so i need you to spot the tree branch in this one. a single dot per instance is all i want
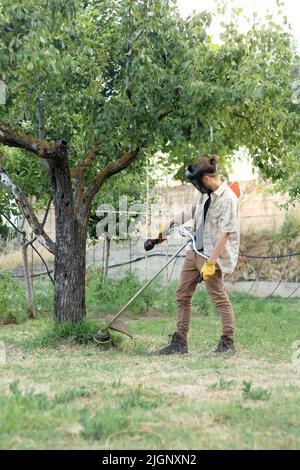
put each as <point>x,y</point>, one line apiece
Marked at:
<point>108,171</point>
<point>26,243</point>
<point>79,173</point>
<point>42,148</point>
<point>25,207</point>
<point>47,211</point>
<point>246,118</point>
<point>22,232</point>
<point>165,114</point>
<point>44,262</point>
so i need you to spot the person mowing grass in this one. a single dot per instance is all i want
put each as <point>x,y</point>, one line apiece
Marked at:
<point>215,211</point>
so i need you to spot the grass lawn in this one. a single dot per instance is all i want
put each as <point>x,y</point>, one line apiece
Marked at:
<point>64,395</point>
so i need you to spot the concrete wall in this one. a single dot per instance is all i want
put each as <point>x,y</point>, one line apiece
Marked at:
<point>259,208</point>
<point>259,211</point>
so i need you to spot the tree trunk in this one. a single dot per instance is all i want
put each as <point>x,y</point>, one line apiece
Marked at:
<point>70,247</point>
<point>69,277</point>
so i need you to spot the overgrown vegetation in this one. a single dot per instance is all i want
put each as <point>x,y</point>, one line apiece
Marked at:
<point>13,306</point>
<point>82,397</point>
<point>271,243</point>
<point>107,295</point>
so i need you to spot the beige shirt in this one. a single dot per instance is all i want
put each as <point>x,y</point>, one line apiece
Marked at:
<point>222,216</point>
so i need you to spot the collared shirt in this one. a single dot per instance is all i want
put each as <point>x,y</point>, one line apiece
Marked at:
<point>222,216</point>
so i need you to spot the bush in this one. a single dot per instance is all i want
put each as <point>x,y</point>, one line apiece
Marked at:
<point>107,295</point>
<point>202,303</point>
<point>289,230</point>
<point>53,333</point>
<point>13,302</point>
<point>43,295</point>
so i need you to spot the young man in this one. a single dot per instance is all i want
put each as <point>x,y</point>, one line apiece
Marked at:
<point>215,211</point>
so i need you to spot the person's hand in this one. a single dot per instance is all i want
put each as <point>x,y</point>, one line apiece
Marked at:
<point>208,270</point>
<point>162,230</point>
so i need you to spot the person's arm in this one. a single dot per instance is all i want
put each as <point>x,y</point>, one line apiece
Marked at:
<point>180,219</point>
<point>229,223</point>
<point>219,246</point>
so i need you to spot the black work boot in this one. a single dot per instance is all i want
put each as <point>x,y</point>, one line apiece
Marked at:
<point>225,346</point>
<point>177,345</point>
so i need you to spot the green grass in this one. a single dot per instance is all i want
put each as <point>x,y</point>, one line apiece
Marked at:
<point>56,393</point>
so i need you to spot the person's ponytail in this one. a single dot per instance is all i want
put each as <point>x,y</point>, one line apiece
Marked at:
<point>214,159</point>
<point>208,166</point>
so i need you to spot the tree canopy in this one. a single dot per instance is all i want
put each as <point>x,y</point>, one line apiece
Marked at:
<point>117,74</point>
<point>94,86</point>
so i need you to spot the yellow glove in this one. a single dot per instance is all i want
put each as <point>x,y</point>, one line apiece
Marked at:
<point>162,229</point>
<point>208,270</point>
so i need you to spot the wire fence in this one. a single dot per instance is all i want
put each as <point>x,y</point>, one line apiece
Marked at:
<point>170,275</point>
<point>287,257</point>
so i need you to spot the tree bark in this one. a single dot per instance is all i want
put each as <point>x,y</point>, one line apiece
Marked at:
<point>70,247</point>
<point>70,270</point>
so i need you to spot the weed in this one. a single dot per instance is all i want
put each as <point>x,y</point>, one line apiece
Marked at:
<point>27,399</point>
<point>116,383</point>
<point>71,394</point>
<point>54,333</point>
<point>137,398</point>
<point>258,393</point>
<point>222,384</point>
<point>104,423</point>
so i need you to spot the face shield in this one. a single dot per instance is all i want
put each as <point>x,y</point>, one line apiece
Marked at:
<point>194,175</point>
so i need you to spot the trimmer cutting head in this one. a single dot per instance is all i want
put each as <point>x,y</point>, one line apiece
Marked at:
<point>103,337</point>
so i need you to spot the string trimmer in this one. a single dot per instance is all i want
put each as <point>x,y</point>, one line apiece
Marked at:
<point>115,323</point>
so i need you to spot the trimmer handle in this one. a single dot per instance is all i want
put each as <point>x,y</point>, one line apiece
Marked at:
<point>150,243</point>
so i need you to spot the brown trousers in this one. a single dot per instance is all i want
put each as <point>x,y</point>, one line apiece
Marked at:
<point>215,287</point>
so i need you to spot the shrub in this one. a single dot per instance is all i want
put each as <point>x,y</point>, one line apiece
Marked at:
<point>13,303</point>
<point>108,295</point>
<point>52,333</point>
